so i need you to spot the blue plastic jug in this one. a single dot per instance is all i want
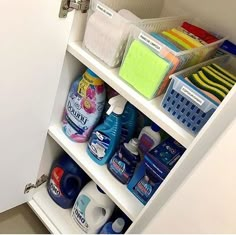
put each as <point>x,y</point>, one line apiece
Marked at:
<point>65,182</point>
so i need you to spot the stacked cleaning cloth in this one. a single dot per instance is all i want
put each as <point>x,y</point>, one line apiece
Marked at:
<point>148,70</point>
<point>213,80</point>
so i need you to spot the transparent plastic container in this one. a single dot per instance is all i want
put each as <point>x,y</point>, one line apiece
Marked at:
<point>188,104</point>
<point>148,59</point>
<point>108,27</point>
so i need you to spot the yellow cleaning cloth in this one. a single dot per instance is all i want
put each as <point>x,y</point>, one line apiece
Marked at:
<point>170,35</point>
<point>192,41</point>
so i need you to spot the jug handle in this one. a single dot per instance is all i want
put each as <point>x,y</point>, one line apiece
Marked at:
<point>64,181</point>
<point>101,219</point>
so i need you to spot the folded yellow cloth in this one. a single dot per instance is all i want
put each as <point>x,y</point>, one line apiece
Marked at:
<point>177,39</point>
<point>192,41</point>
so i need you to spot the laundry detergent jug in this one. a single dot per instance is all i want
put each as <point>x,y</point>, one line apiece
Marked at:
<point>92,208</point>
<point>65,181</point>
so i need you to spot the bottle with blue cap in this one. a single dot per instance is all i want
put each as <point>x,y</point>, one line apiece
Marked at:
<point>149,138</point>
<point>84,106</point>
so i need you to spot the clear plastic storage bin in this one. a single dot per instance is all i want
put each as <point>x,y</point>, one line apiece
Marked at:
<point>109,24</point>
<point>186,103</point>
<point>148,63</point>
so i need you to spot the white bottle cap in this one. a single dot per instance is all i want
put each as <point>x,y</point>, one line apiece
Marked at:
<point>132,146</point>
<point>118,225</point>
<point>117,105</point>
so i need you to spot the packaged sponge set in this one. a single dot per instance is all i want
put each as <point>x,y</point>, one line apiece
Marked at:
<point>158,48</point>
<point>195,93</point>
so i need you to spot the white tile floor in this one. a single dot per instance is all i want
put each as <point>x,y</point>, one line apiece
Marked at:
<point>21,220</point>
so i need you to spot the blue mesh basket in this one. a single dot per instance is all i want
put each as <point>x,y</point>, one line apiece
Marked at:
<point>187,104</point>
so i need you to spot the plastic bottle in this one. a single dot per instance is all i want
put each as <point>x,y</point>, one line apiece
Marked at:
<point>122,165</point>
<point>113,228</point>
<point>92,208</point>
<point>149,138</point>
<point>106,137</point>
<point>84,106</point>
<point>129,121</point>
<point>65,182</point>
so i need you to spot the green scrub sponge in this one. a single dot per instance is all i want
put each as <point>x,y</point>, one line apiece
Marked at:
<point>143,69</point>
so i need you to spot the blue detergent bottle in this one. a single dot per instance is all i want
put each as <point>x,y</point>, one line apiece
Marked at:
<point>65,182</point>
<point>106,137</point>
<point>129,121</point>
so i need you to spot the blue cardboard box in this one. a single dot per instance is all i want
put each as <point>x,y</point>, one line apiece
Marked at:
<point>154,169</point>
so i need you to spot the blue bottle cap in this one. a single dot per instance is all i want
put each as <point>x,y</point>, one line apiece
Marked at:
<point>155,127</point>
<point>91,73</point>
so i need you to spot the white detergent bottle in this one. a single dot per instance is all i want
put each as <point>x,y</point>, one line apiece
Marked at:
<point>92,208</point>
<point>149,138</point>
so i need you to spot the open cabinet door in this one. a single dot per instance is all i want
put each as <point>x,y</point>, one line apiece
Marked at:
<point>32,50</point>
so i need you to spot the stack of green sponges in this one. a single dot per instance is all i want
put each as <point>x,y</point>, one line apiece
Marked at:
<point>143,69</point>
<point>214,79</point>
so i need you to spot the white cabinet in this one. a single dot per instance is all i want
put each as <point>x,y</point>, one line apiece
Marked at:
<point>34,86</point>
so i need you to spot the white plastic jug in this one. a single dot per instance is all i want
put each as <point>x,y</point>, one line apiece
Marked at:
<point>92,208</point>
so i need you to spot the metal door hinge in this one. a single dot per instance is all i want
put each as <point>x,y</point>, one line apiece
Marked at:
<point>69,5</point>
<point>39,181</point>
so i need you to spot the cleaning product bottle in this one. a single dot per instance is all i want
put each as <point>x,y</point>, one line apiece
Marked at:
<point>122,165</point>
<point>65,182</point>
<point>106,137</point>
<point>129,121</point>
<point>84,106</point>
<point>113,228</point>
<point>149,138</point>
<point>92,208</point>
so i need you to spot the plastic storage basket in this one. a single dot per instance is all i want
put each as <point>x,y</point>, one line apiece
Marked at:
<point>186,103</point>
<point>145,57</point>
<point>108,28</point>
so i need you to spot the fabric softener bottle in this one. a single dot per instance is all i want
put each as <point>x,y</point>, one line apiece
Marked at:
<point>65,182</point>
<point>106,137</point>
<point>84,106</point>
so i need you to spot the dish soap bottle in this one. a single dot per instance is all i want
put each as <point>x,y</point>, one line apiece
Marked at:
<point>106,137</point>
<point>92,208</point>
<point>149,138</point>
<point>122,165</point>
<point>113,228</point>
<point>84,106</point>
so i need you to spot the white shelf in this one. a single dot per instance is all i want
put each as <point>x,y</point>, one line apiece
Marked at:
<point>118,192</point>
<point>55,218</point>
<point>151,109</point>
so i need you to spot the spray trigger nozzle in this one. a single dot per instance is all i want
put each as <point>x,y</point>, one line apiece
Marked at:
<point>117,105</point>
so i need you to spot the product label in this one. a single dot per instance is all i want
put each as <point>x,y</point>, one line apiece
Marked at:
<point>104,10</point>
<point>120,168</point>
<point>99,144</point>
<point>192,96</point>
<point>143,189</point>
<point>54,183</point>
<point>148,41</point>
<point>145,143</point>
<point>78,212</point>
<point>84,107</point>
